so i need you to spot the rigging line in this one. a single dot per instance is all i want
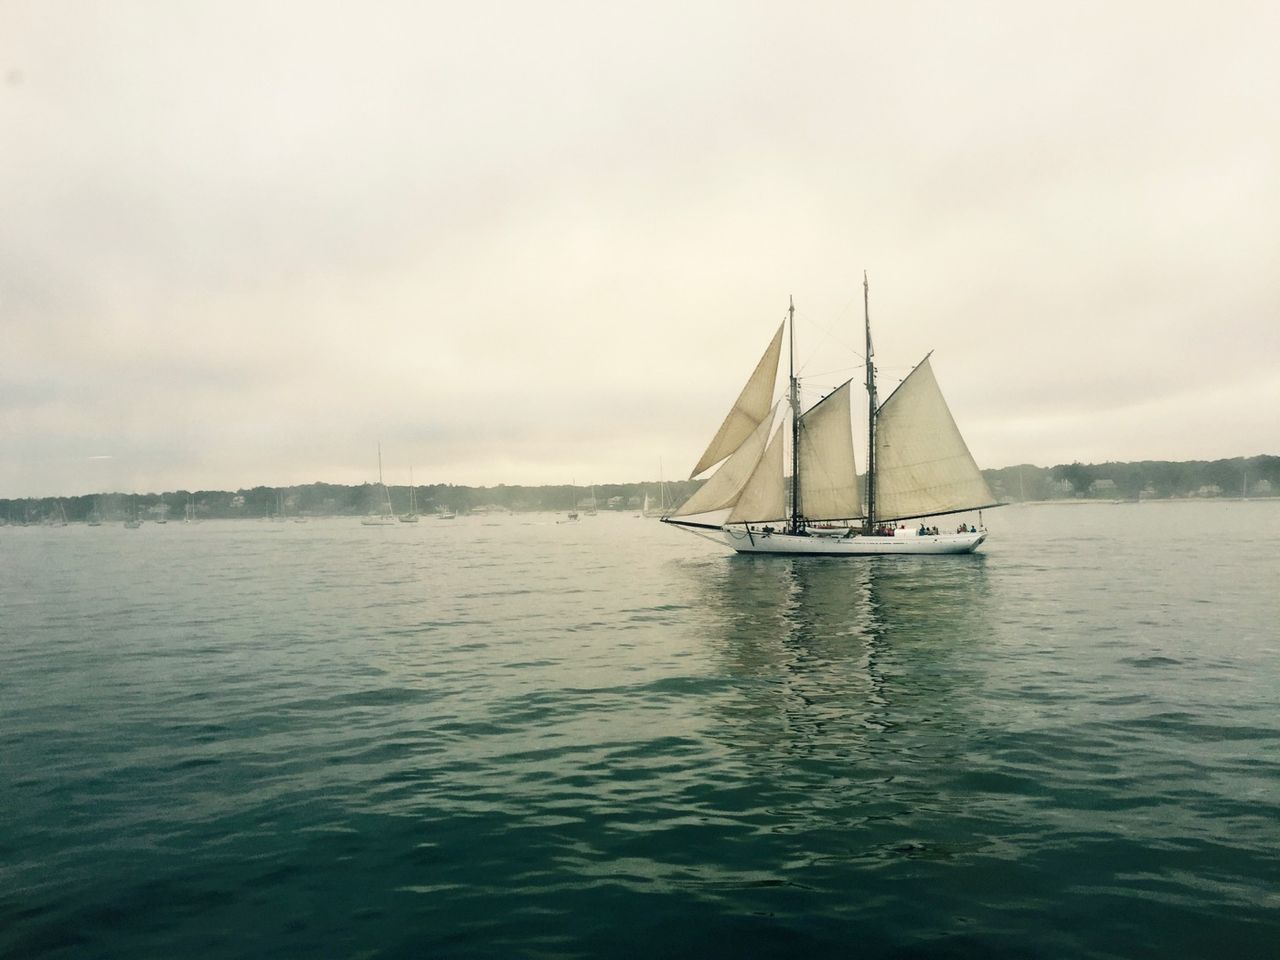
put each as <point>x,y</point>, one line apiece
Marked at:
<point>827,335</point>
<point>817,352</point>
<point>841,316</point>
<point>837,372</point>
<point>801,374</point>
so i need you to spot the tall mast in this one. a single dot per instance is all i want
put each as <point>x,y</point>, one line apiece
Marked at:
<point>870,521</point>
<point>795,424</point>
<point>386,494</point>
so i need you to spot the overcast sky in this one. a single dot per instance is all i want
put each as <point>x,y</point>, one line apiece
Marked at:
<point>540,242</point>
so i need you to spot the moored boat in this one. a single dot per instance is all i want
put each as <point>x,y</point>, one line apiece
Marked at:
<point>386,517</point>
<point>412,515</point>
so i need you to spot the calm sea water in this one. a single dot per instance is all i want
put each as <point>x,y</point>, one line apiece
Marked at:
<point>512,738</point>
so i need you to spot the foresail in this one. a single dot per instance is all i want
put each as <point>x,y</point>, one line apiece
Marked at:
<point>829,488</point>
<point>724,486</point>
<point>752,406</point>
<point>923,466</point>
<point>765,495</point>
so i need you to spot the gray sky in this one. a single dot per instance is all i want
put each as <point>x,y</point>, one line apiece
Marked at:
<point>536,242</point>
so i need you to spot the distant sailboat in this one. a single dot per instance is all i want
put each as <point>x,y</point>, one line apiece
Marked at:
<point>572,515</point>
<point>386,516</point>
<point>412,515</point>
<point>918,467</point>
<point>591,508</point>
<point>298,517</point>
<point>649,510</point>
<point>278,516</point>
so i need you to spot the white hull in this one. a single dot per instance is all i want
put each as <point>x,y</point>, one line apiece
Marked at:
<point>856,545</point>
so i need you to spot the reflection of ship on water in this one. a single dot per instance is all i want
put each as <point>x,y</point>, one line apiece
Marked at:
<point>832,658</point>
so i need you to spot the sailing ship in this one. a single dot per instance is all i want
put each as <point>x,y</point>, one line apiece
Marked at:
<point>386,516</point>
<point>918,467</point>
<point>412,515</point>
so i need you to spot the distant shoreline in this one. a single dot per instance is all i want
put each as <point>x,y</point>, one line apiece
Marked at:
<point>1100,502</point>
<point>1237,480</point>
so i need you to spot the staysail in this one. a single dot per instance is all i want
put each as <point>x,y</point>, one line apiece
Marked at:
<point>923,466</point>
<point>724,486</point>
<point>751,407</point>
<point>765,495</point>
<point>829,488</point>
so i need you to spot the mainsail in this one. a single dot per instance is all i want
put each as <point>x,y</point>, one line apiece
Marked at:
<point>726,484</point>
<point>923,466</point>
<point>829,488</point>
<point>752,406</point>
<point>765,495</point>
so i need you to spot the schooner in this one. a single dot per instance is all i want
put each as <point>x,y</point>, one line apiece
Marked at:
<point>918,466</point>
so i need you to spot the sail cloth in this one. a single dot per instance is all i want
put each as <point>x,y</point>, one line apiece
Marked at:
<point>922,464</point>
<point>724,486</point>
<point>765,495</point>
<point>829,488</point>
<point>752,406</point>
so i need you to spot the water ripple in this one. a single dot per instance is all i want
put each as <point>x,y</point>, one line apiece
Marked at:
<point>522,739</point>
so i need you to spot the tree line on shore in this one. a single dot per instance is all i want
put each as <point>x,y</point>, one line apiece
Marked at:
<point>1138,480</point>
<point>333,499</point>
<point>1147,479</point>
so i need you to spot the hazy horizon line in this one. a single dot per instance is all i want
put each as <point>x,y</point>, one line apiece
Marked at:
<point>583,486</point>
